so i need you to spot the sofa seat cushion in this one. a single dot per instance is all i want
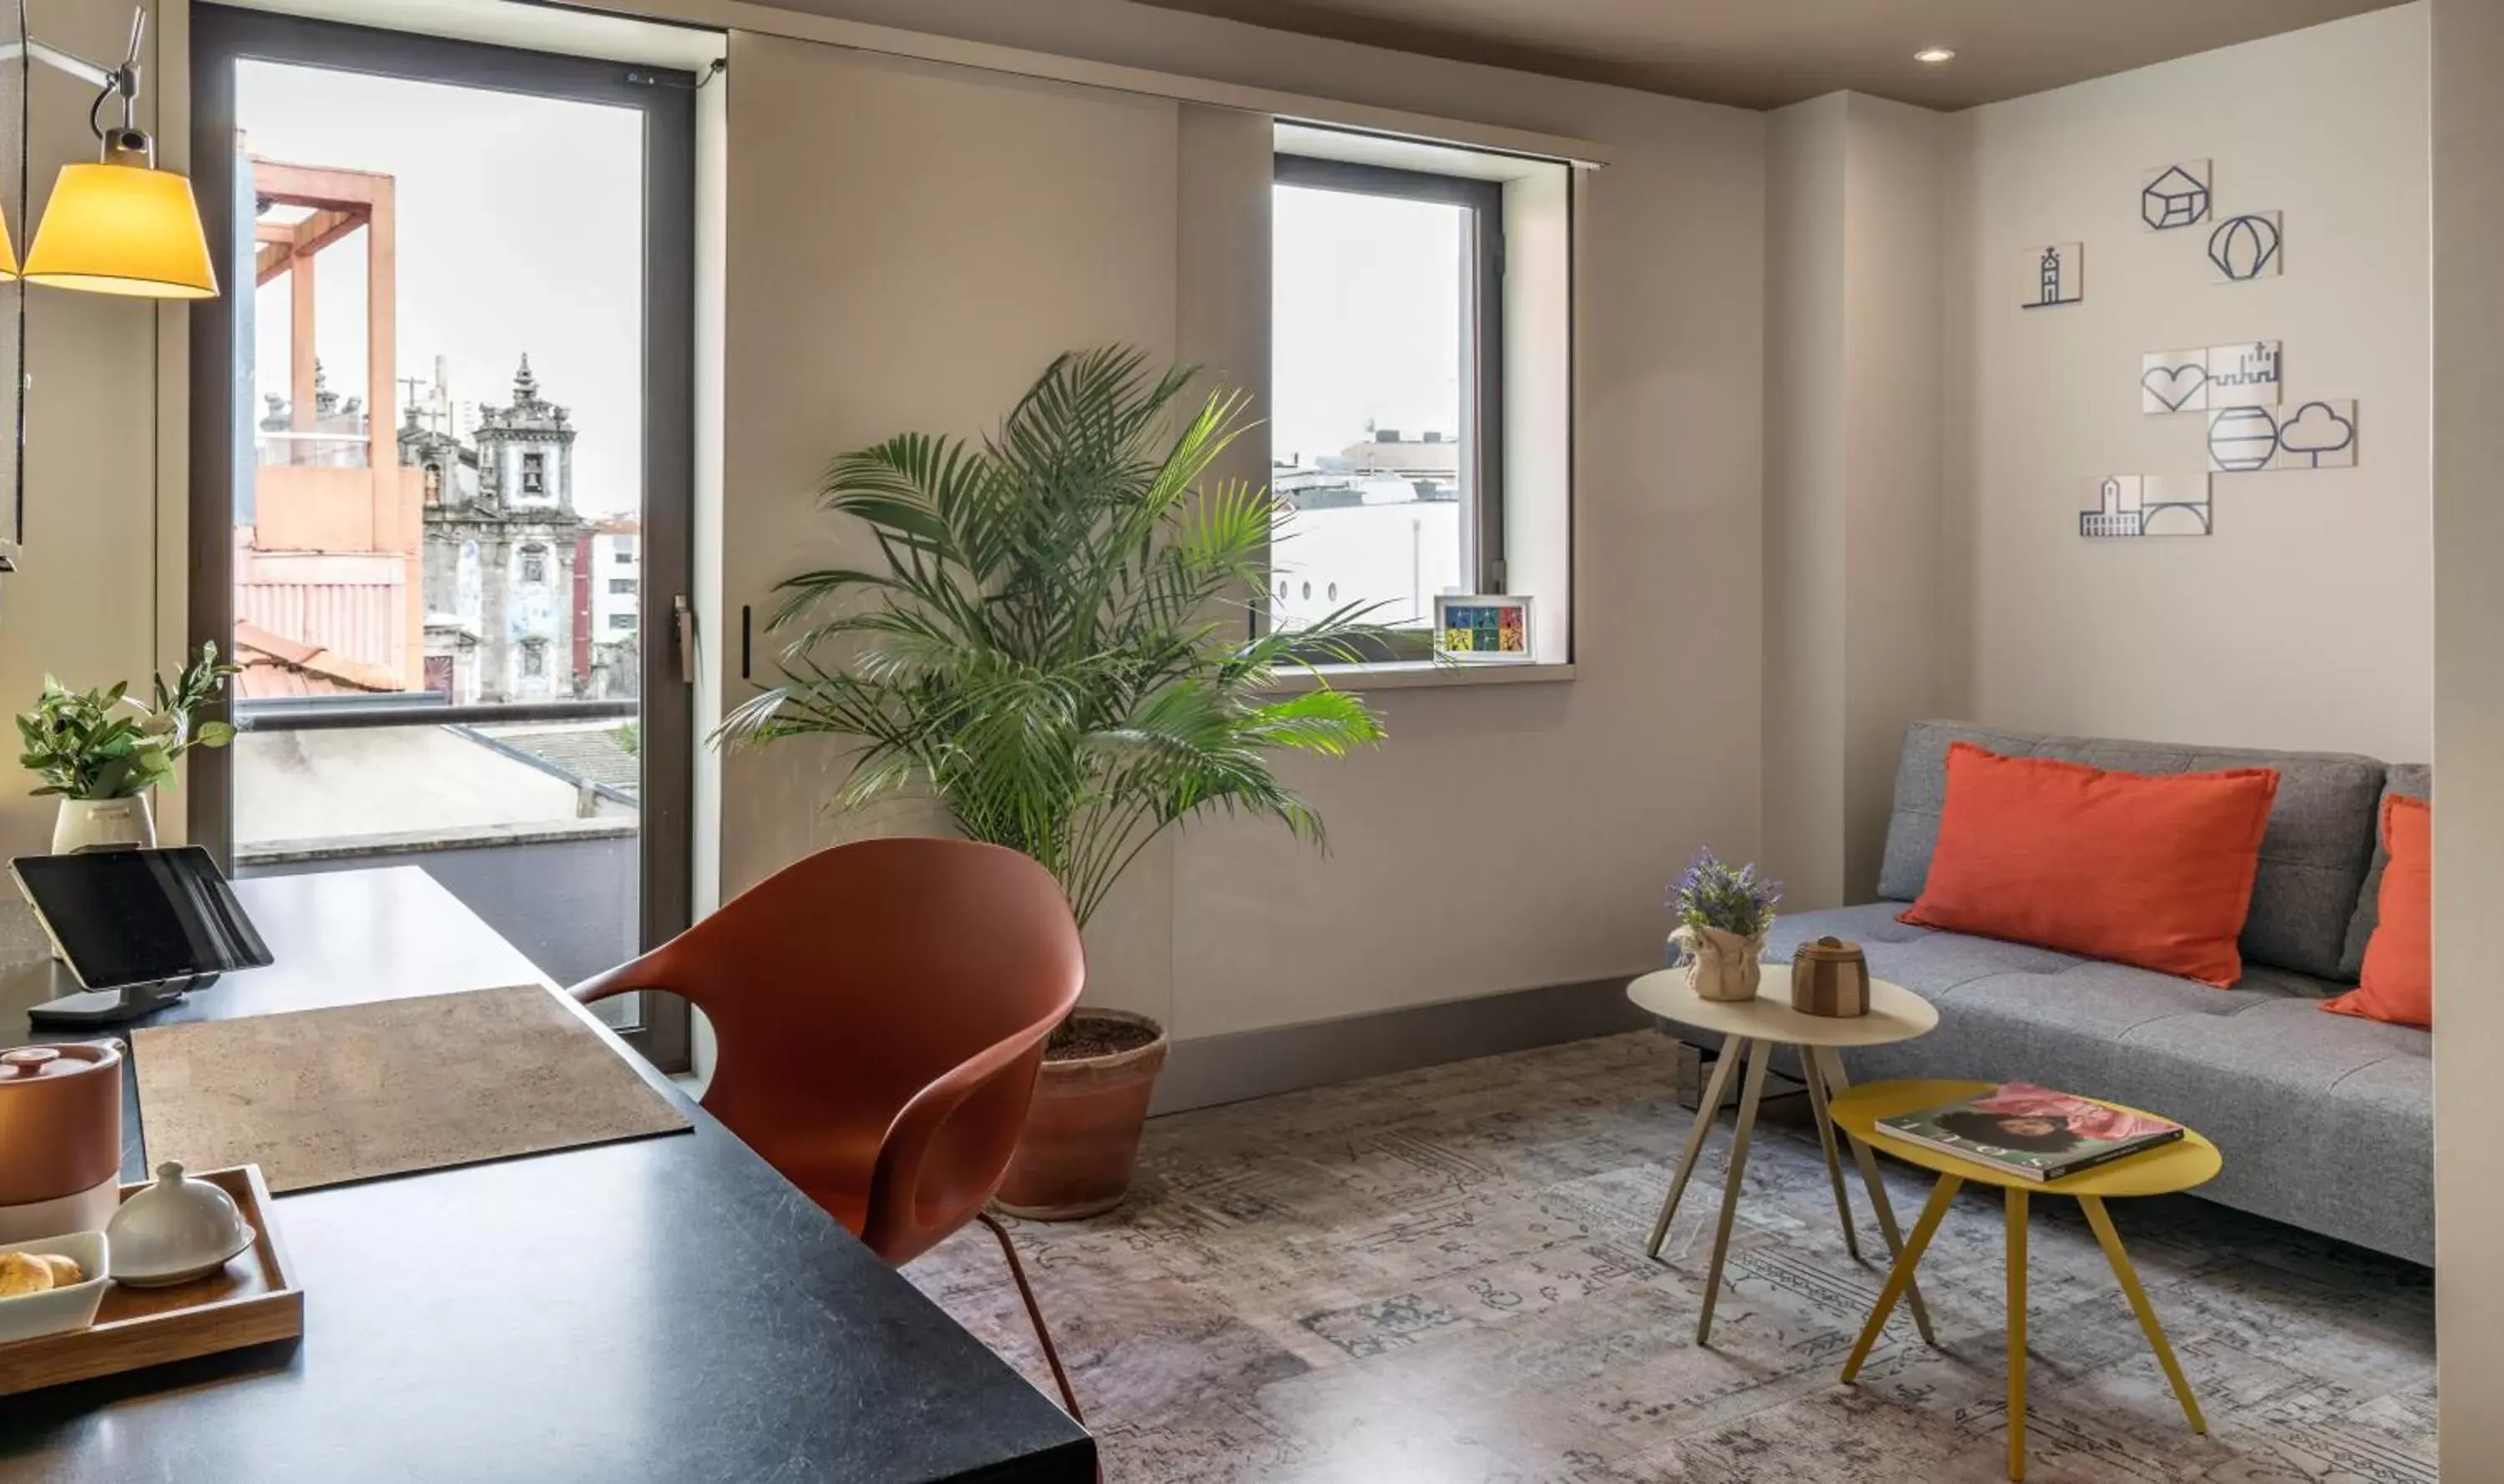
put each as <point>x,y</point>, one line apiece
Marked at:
<point>2326,1122</point>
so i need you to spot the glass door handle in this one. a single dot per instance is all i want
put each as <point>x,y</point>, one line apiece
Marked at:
<point>683,627</point>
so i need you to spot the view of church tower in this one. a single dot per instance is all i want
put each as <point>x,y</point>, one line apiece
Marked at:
<point>502,542</point>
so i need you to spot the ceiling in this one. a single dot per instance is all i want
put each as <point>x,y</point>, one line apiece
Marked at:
<point>1763,54</point>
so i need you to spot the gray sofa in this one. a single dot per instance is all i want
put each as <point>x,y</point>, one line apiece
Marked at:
<point>2326,1122</point>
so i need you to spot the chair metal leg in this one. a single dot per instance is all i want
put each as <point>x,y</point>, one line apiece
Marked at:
<point>2110,1241</point>
<point>1735,1050</point>
<point>1035,1313</point>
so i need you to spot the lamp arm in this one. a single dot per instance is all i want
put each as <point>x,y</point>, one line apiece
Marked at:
<point>122,79</point>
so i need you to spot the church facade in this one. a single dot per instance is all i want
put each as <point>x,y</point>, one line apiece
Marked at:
<point>501,543</point>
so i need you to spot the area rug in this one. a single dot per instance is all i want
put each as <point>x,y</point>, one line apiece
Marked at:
<point>1439,1278</point>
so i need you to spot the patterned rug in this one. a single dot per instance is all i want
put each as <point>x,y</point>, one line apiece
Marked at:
<point>1438,1278</point>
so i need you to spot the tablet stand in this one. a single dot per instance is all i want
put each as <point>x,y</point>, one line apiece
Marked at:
<point>106,1007</point>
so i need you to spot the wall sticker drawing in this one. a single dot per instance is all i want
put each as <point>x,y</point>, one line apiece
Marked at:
<point>2244,375</point>
<point>2246,247</point>
<point>2173,381</point>
<point>2176,195</point>
<point>2242,440</point>
<point>2147,505</point>
<point>2056,275</point>
<point>2316,434</point>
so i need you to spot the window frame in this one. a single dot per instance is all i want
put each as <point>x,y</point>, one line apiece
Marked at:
<point>223,35</point>
<point>1482,363</point>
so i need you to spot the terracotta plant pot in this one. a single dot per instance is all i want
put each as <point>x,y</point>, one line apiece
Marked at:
<point>1082,1135</point>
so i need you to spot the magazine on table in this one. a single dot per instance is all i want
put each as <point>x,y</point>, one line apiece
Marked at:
<point>2033,1132</point>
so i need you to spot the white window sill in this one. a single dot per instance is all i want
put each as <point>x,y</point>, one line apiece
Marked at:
<point>1420,674</point>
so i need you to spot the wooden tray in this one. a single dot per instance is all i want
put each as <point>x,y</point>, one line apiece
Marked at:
<point>253,1301</point>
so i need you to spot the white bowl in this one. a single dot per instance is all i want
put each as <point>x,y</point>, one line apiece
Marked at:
<point>24,1316</point>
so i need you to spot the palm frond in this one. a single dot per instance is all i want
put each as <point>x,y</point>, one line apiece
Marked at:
<point>1049,640</point>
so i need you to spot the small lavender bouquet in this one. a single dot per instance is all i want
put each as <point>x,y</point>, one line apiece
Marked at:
<point>1723,915</point>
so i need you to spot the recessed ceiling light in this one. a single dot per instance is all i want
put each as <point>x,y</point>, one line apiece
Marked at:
<point>1935,55</point>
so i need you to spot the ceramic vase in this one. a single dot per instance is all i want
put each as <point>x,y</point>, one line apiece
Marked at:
<point>94,824</point>
<point>1721,965</point>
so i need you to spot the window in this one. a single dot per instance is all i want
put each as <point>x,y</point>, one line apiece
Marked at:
<point>534,473</point>
<point>1386,448</point>
<point>622,586</point>
<point>533,563</point>
<point>533,658</point>
<point>625,551</point>
<point>622,620</point>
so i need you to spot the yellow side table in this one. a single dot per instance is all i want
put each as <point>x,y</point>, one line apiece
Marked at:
<point>2188,1162</point>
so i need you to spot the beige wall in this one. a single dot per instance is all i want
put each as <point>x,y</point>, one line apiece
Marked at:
<point>908,246</point>
<point>1852,457</point>
<point>1506,836</point>
<point>2304,621</point>
<point>2468,54</point>
<point>87,602</point>
<point>1806,321</point>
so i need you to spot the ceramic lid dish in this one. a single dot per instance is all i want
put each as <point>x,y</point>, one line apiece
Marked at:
<point>175,1231</point>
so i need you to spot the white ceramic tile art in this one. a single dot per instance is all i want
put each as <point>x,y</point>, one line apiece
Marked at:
<point>2174,196</point>
<point>2173,381</point>
<point>2247,247</point>
<point>2313,435</point>
<point>2218,377</point>
<point>2146,504</point>
<point>2244,375</point>
<point>2055,274</point>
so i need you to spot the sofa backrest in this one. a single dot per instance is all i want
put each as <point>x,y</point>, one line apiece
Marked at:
<point>2314,858</point>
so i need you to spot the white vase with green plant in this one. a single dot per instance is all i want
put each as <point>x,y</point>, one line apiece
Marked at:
<point>102,751</point>
<point>1054,647</point>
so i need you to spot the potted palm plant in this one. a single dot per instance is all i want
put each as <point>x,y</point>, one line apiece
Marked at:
<point>1053,647</point>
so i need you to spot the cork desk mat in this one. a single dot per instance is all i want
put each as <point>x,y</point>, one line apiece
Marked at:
<point>321,1097</point>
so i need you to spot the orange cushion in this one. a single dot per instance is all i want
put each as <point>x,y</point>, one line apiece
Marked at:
<point>2398,981</point>
<point>2138,868</point>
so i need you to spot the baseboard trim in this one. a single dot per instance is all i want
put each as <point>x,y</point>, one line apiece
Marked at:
<point>1210,1070</point>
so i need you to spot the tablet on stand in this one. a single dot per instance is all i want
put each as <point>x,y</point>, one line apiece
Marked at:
<point>136,929</point>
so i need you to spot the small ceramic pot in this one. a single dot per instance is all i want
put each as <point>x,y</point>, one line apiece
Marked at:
<point>61,1138</point>
<point>88,824</point>
<point>1721,965</point>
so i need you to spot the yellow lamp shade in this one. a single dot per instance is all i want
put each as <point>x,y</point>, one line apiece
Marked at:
<point>114,228</point>
<point>7,254</point>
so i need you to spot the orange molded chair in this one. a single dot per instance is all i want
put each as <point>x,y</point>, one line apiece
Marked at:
<point>880,1010</point>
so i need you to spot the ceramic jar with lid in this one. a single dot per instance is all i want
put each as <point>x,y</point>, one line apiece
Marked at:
<point>61,1138</point>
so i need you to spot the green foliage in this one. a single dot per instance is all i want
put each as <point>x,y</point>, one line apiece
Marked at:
<point>108,744</point>
<point>1052,643</point>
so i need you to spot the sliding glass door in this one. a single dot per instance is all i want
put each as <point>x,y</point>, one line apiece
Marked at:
<point>441,449</point>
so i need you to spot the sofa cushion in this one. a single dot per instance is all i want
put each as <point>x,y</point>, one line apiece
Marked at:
<point>2409,781</point>
<point>2326,1122</point>
<point>2398,981</point>
<point>2313,857</point>
<point>2153,871</point>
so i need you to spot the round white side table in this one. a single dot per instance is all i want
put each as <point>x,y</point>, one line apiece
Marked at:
<point>1749,1030</point>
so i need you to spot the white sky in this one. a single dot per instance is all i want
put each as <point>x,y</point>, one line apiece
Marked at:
<point>520,229</point>
<point>1366,318</point>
